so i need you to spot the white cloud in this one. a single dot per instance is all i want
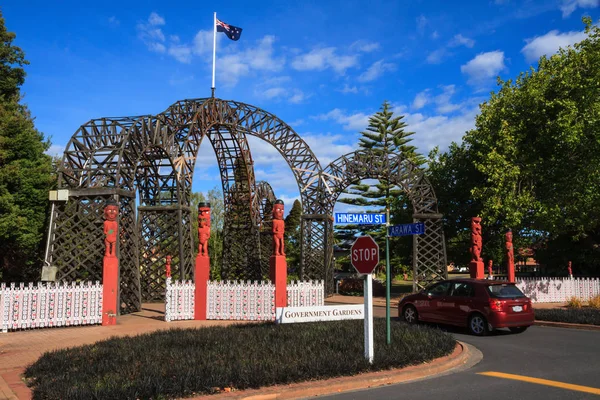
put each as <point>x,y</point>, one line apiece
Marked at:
<point>435,35</point>
<point>443,100</point>
<point>324,58</point>
<point>365,46</point>
<point>351,122</point>
<point>274,92</point>
<point>421,99</point>
<point>203,42</point>
<point>460,40</point>
<point>436,56</point>
<point>155,19</point>
<point>422,23</point>
<point>569,6</point>
<point>181,53</point>
<point>484,66</point>
<point>376,70</point>
<point>298,97</point>
<point>113,21</point>
<point>549,43</point>
<point>151,34</point>
<point>56,150</point>
<point>348,89</point>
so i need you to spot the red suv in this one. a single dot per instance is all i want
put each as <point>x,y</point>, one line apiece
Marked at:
<point>480,305</point>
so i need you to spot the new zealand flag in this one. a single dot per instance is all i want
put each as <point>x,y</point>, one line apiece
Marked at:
<point>232,32</point>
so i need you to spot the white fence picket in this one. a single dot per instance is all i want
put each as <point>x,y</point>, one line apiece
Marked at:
<point>49,305</point>
<point>558,290</point>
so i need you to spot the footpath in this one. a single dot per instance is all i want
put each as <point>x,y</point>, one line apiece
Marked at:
<point>18,349</point>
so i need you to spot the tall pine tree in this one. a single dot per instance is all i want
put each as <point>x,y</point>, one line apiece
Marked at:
<point>385,135</point>
<point>25,172</point>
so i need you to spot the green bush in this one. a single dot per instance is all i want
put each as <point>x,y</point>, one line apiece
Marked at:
<point>184,362</point>
<point>588,316</point>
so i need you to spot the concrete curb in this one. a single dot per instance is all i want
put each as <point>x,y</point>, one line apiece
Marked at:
<point>585,327</point>
<point>463,357</point>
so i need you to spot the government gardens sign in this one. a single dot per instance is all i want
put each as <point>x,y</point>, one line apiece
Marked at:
<point>286,315</point>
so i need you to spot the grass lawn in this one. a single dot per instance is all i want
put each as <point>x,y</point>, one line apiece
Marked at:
<point>185,362</point>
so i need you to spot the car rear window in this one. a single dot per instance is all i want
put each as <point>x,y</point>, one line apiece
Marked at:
<point>504,291</point>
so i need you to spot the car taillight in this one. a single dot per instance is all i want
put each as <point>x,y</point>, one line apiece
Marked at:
<point>495,305</point>
<point>527,305</point>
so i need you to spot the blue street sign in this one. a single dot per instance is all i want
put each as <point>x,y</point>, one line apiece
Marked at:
<point>360,218</point>
<point>407,229</point>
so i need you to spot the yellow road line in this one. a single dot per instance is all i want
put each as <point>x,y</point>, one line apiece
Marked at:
<point>539,381</point>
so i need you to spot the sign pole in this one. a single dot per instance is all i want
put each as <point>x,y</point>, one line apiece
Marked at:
<point>368,293</point>
<point>388,279</point>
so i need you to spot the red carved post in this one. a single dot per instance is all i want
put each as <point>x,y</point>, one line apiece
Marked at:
<point>510,257</point>
<point>570,269</point>
<point>168,266</point>
<point>202,270</point>
<point>476,264</point>
<point>490,270</point>
<point>110,265</point>
<point>278,264</point>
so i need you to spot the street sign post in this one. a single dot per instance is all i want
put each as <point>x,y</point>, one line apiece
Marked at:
<point>407,229</point>
<point>359,218</point>
<point>364,256</point>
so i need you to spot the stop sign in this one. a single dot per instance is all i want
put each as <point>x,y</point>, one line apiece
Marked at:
<point>364,254</point>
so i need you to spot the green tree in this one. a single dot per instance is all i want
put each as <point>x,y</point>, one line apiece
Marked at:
<point>385,135</point>
<point>532,163</point>
<point>25,172</point>
<point>215,242</point>
<point>292,239</point>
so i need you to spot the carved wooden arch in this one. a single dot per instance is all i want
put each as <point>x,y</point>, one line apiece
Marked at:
<point>429,250</point>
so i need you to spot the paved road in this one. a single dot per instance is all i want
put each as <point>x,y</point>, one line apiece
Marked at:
<point>563,355</point>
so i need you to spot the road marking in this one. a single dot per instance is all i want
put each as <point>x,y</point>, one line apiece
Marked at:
<point>539,381</point>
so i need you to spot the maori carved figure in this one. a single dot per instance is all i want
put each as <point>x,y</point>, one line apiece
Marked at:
<point>168,266</point>
<point>509,251</point>
<point>278,228</point>
<point>111,211</point>
<point>490,263</point>
<point>203,228</point>
<point>570,269</point>
<point>476,242</point>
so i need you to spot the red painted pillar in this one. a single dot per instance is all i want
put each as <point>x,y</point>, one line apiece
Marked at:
<point>202,270</point>
<point>202,275</point>
<point>110,265</point>
<point>510,257</point>
<point>476,265</point>
<point>278,275</point>
<point>110,290</point>
<point>277,262</point>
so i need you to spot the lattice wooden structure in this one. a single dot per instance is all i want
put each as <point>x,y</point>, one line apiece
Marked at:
<point>429,250</point>
<point>152,158</point>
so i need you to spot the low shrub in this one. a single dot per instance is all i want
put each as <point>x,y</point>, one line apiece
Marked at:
<point>594,302</point>
<point>185,362</point>
<point>354,287</point>
<point>588,316</point>
<point>574,302</point>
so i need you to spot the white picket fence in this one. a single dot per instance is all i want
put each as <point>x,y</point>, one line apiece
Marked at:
<point>558,290</point>
<point>47,305</point>
<point>227,300</point>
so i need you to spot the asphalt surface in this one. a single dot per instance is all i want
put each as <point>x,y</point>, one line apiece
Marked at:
<point>558,354</point>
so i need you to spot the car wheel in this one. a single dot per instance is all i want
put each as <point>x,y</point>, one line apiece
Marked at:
<point>478,325</point>
<point>518,329</point>
<point>410,314</point>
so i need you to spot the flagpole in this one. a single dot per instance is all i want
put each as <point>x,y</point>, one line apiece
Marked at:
<point>214,54</point>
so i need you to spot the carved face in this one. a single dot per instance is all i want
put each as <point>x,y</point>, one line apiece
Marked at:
<point>278,211</point>
<point>111,212</point>
<point>204,214</point>
<point>509,236</point>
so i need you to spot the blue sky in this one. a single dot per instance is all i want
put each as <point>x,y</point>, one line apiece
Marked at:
<point>321,66</point>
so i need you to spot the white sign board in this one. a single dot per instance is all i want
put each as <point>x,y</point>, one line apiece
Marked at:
<point>287,315</point>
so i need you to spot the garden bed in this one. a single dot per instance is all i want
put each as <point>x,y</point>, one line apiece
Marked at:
<point>185,362</point>
<point>589,316</point>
